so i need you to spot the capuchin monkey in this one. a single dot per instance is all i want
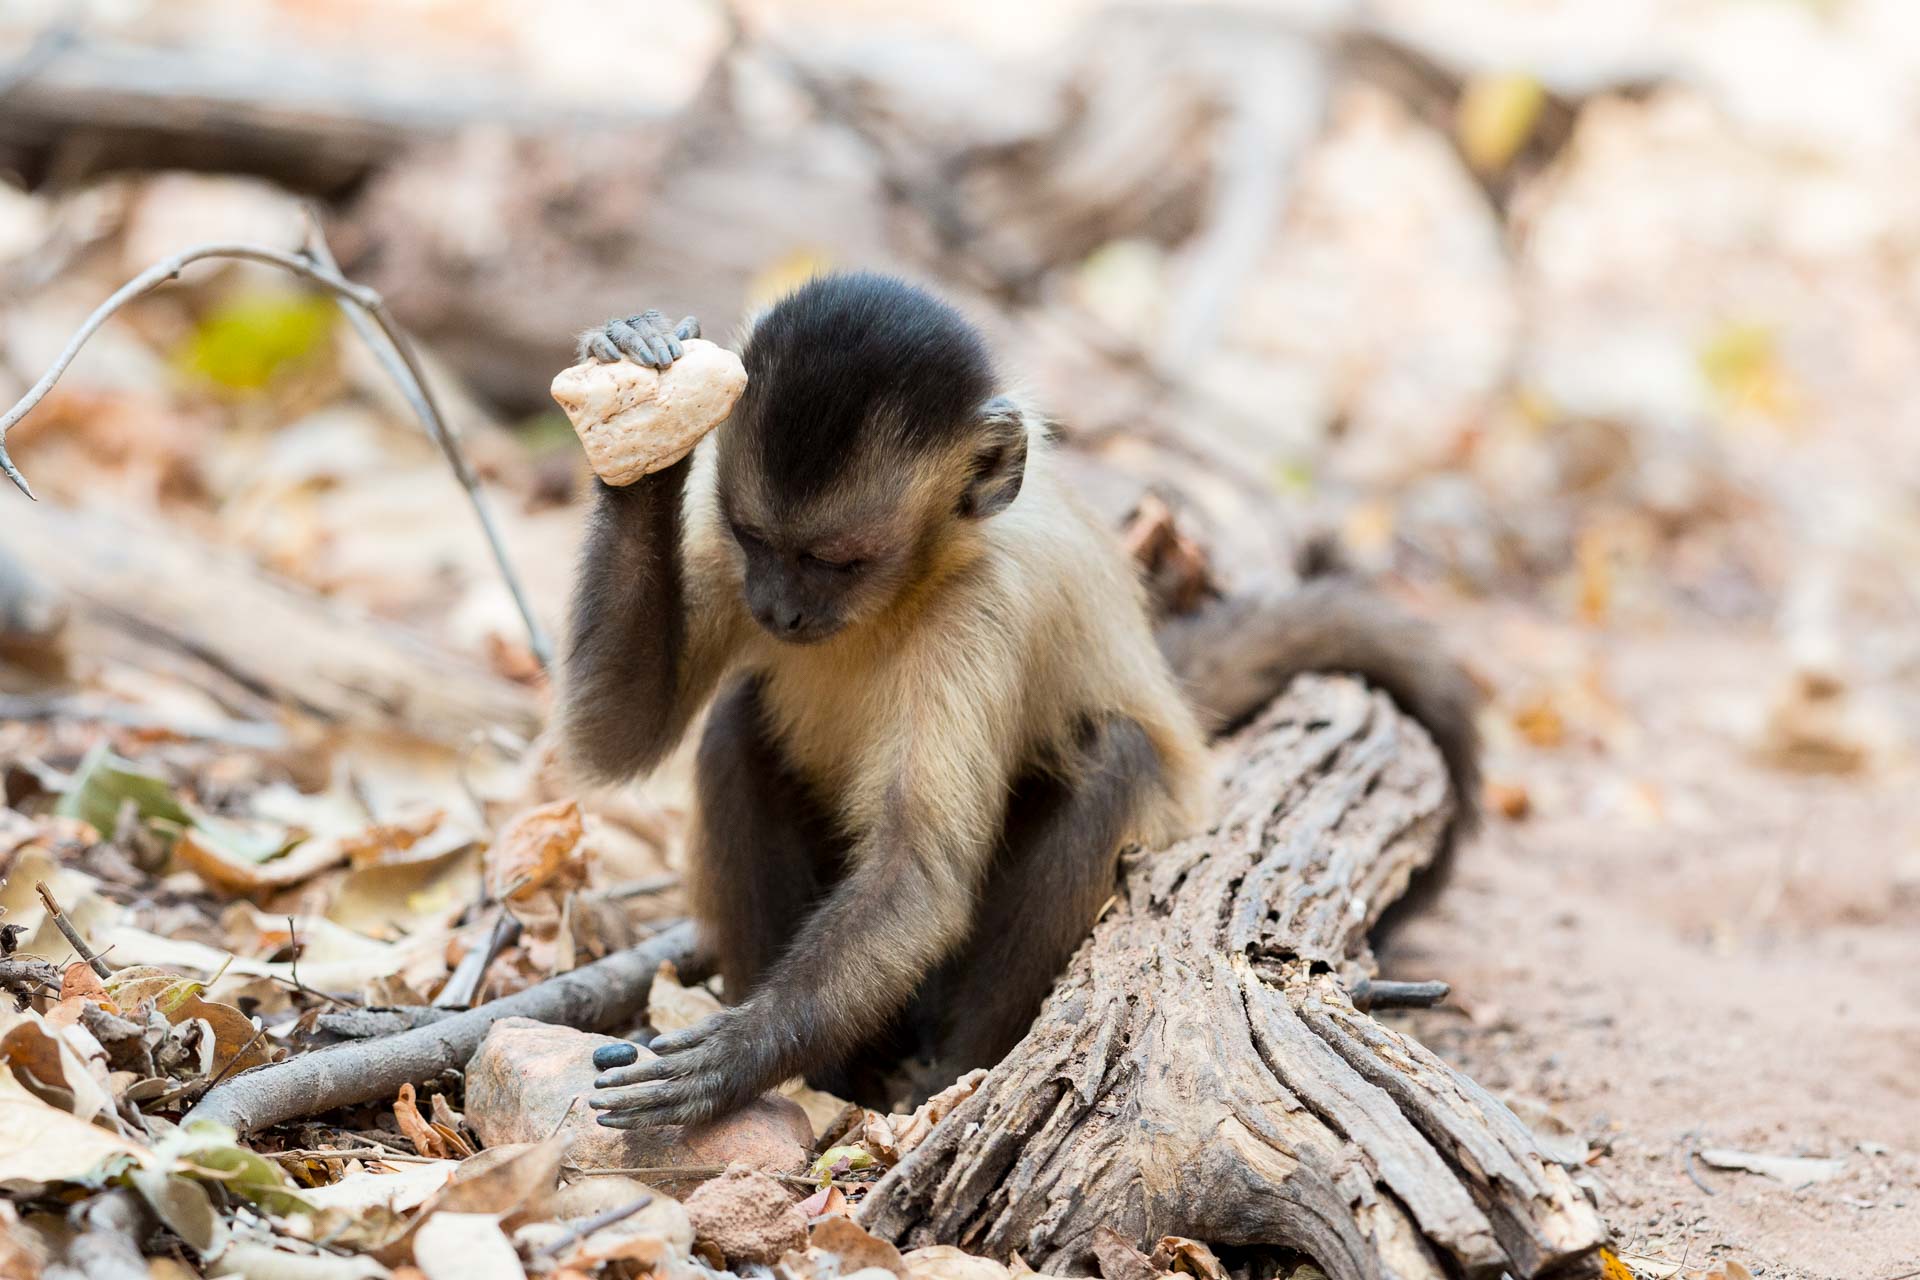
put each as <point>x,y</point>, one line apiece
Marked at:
<point>938,710</point>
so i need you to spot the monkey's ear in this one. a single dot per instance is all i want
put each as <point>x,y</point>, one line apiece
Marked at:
<point>999,462</point>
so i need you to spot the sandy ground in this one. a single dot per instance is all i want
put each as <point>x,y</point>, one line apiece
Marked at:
<point>1683,949</point>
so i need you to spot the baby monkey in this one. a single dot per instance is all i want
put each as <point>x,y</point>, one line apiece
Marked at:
<point>938,711</point>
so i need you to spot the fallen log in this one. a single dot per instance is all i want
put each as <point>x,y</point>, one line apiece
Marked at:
<point>607,995</point>
<point>265,638</point>
<point>311,122</point>
<point>1201,1070</point>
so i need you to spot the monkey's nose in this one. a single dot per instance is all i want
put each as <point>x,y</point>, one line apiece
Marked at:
<point>791,620</point>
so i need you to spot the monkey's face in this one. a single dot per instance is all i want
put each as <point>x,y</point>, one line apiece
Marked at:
<point>807,577</point>
<point>815,566</point>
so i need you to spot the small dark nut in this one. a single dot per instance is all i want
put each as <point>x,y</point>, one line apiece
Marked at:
<point>615,1055</point>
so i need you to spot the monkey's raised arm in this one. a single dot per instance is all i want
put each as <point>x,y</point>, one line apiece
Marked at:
<point>655,614</point>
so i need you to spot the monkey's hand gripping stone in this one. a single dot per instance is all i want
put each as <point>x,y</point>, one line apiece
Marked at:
<point>635,420</point>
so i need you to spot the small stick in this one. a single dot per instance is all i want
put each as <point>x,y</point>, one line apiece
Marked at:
<point>352,1153</point>
<point>644,1172</point>
<point>1380,993</point>
<point>65,926</point>
<point>587,1227</point>
<point>1693,1175</point>
<point>464,983</point>
<point>227,1070</point>
<point>293,962</point>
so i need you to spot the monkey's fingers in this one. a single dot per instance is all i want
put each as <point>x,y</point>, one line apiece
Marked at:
<point>594,344</point>
<point>662,1102</point>
<point>687,328</point>
<point>687,1037</point>
<point>638,343</point>
<point>660,333</point>
<point>638,1073</point>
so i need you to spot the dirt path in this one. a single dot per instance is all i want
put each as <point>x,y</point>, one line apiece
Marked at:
<point>1683,948</point>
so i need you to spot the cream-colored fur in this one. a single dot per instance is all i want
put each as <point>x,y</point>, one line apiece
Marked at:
<point>1030,622</point>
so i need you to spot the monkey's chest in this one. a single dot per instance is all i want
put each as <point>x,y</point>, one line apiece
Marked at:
<point>829,724</point>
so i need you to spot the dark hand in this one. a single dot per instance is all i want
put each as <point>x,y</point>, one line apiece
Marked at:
<point>647,339</point>
<point>698,1074</point>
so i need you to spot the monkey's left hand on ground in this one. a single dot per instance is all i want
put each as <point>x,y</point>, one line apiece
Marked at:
<point>696,1075</point>
<point>935,708</point>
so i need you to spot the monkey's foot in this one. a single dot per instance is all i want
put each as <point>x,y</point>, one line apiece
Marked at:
<point>696,1075</point>
<point>647,338</point>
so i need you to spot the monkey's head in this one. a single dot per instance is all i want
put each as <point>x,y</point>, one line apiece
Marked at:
<point>870,443</point>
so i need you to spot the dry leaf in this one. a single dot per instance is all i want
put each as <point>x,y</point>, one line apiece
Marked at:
<point>854,1247</point>
<point>52,1066</point>
<point>535,849</point>
<point>1178,1253</point>
<point>828,1200</point>
<point>244,878</point>
<point>903,1133</point>
<point>406,1187</point>
<point>1508,799</point>
<point>40,1143</point>
<point>428,1139</point>
<point>945,1262</point>
<point>1119,1260</point>
<point>409,895</point>
<point>1795,1171</point>
<point>465,1246</point>
<point>79,984</point>
<point>672,1007</point>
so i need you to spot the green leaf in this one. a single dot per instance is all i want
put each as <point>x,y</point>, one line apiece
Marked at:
<point>204,1145</point>
<point>185,1208</point>
<point>830,1161</point>
<point>246,342</point>
<point>104,781</point>
<point>254,842</point>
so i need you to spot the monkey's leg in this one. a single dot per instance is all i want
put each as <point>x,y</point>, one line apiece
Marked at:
<point>764,846</point>
<point>1054,871</point>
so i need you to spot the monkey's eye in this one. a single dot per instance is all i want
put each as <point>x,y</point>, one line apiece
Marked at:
<point>838,566</point>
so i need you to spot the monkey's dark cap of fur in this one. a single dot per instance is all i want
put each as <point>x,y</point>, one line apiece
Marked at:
<point>847,356</point>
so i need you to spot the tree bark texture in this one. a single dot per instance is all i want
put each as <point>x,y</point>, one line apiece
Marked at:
<point>1200,1071</point>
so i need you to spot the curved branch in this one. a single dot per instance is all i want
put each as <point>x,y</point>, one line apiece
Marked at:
<point>371,319</point>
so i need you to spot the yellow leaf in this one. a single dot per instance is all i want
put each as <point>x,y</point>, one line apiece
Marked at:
<point>247,342</point>
<point>785,274</point>
<point>1742,362</point>
<point>1496,116</point>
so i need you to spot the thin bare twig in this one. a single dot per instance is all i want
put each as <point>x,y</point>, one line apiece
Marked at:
<point>587,1226</point>
<point>1693,1175</point>
<point>389,345</point>
<point>684,1171</point>
<point>353,1153</point>
<point>65,926</point>
<point>240,1053</point>
<point>464,983</point>
<point>371,319</point>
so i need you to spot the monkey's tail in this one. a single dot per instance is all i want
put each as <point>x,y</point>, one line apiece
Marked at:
<point>1236,654</point>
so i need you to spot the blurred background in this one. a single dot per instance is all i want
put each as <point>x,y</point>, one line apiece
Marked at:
<point>1591,327</point>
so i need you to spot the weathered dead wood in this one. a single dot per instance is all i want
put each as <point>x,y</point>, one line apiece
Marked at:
<point>265,636</point>
<point>1201,1071</point>
<point>308,121</point>
<point>605,995</point>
